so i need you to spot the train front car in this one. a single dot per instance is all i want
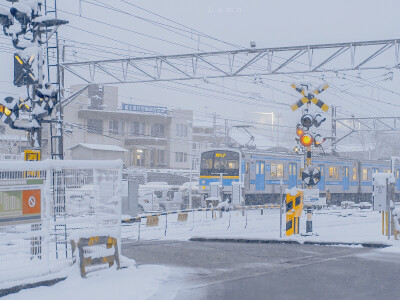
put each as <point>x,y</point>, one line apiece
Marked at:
<point>219,165</point>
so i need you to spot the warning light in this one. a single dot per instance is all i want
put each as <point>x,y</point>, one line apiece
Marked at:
<point>306,140</point>
<point>7,111</point>
<point>307,120</point>
<point>318,140</point>
<point>299,131</point>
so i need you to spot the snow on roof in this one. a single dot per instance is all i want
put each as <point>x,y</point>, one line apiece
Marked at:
<point>100,147</point>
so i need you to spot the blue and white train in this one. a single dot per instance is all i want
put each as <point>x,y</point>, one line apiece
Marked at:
<point>262,173</point>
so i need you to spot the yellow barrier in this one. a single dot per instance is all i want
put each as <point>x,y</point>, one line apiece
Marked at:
<point>182,217</point>
<point>152,221</point>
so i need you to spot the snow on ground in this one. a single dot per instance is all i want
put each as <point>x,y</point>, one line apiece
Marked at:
<point>336,225</point>
<point>132,282</point>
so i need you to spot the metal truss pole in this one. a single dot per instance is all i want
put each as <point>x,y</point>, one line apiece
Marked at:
<point>247,62</point>
<point>56,124</point>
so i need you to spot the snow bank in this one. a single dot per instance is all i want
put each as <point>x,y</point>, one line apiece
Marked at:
<point>131,282</point>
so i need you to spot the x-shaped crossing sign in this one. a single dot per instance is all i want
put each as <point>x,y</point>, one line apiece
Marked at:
<point>310,97</point>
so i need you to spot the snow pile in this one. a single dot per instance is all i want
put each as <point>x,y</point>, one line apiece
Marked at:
<point>293,191</point>
<point>131,282</point>
<point>380,178</point>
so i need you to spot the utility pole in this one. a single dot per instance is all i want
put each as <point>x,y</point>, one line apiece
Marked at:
<point>333,131</point>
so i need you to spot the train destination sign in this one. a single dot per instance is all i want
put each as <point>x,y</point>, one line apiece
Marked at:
<point>19,205</point>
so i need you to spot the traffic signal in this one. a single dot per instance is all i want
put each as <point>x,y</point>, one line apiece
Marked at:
<point>318,140</point>
<point>318,119</point>
<point>311,176</point>
<point>307,121</point>
<point>306,140</point>
<point>9,110</point>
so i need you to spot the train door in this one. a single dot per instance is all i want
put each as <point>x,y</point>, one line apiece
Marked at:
<point>346,178</point>
<point>398,179</point>
<point>292,175</point>
<point>260,176</point>
<point>321,183</point>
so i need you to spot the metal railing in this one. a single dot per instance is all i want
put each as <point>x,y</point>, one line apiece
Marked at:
<point>45,204</point>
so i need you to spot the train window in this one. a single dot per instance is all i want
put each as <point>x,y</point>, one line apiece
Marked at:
<point>262,168</point>
<point>364,174</point>
<point>354,173</point>
<point>276,170</point>
<point>333,173</point>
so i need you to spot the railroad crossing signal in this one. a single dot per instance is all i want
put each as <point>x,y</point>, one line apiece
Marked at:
<point>310,97</point>
<point>311,176</point>
<point>23,74</point>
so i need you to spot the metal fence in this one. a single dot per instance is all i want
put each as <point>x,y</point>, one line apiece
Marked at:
<point>43,205</point>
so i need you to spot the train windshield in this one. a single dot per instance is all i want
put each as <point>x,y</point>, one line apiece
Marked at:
<point>216,162</point>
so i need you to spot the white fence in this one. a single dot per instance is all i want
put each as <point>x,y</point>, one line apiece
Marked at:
<point>45,204</point>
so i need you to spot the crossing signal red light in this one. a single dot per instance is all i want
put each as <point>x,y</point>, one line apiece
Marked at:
<point>318,140</point>
<point>299,131</point>
<point>306,140</point>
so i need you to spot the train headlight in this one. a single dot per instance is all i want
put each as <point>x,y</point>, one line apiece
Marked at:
<point>203,187</point>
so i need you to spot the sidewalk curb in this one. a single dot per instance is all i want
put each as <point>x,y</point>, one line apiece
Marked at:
<point>18,288</point>
<point>277,241</point>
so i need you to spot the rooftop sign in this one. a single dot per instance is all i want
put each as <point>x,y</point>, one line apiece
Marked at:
<point>145,109</point>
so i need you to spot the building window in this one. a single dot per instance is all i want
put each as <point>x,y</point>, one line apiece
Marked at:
<point>139,158</point>
<point>157,130</point>
<point>152,158</point>
<point>180,157</point>
<point>333,173</point>
<point>354,173</point>
<point>365,174</point>
<point>276,170</point>
<point>95,126</point>
<point>137,128</point>
<point>161,157</point>
<point>116,127</point>
<point>181,130</point>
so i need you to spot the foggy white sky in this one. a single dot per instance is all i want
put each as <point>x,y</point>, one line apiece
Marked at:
<point>269,23</point>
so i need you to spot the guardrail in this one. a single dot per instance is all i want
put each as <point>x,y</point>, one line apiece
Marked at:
<point>152,219</point>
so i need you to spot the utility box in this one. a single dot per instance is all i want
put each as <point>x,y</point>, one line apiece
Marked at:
<point>383,190</point>
<point>130,198</point>
<point>237,193</point>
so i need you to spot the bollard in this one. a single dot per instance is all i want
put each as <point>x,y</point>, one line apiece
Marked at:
<point>166,224</point>
<point>220,214</point>
<point>246,219</point>
<point>242,212</point>
<point>140,221</point>
<point>309,220</point>
<point>229,221</point>
<point>262,211</point>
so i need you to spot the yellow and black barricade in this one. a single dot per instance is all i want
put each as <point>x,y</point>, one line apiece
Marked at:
<point>93,241</point>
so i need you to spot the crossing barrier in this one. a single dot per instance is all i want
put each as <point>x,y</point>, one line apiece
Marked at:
<point>152,220</point>
<point>84,262</point>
